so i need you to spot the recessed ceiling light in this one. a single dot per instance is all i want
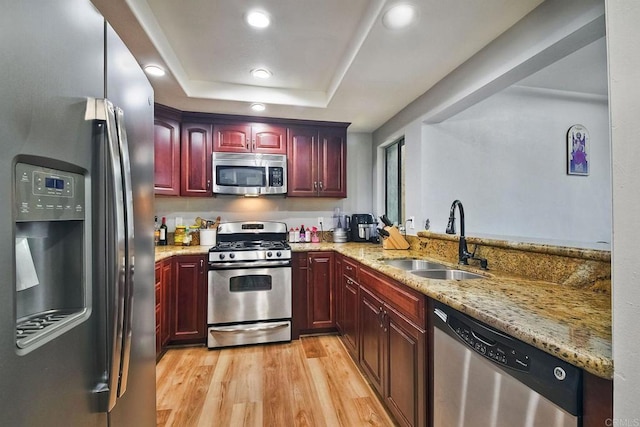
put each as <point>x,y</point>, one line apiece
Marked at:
<point>154,70</point>
<point>258,107</point>
<point>261,73</point>
<point>258,19</point>
<point>399,16</point>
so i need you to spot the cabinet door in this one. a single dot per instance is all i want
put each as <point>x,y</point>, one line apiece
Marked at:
<point>266,138</point>
<point>189,300</point>
<point>167,288</point>
<point>196,160</point>
<point>320,290</point>
<point>349,307</point>
<point>302,162</point>
<point>332,173</point>
<point>166,154</point>
<point>158,288</point>
<point>232,138</point>
<point>405,378</point>
<point>299,273</point>
<point>371,337</point>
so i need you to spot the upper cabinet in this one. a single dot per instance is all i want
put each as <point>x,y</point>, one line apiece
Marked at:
<point>317,161</point>
<point>196,159</point>
<point>316,151</point>
<point>250,138</point>
<point>166,139</point>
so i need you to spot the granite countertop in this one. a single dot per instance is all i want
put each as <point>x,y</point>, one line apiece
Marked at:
<point>571,324</point>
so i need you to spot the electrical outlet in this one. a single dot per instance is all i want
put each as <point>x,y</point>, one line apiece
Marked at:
<point>412,220</point>
<point>320,220</point>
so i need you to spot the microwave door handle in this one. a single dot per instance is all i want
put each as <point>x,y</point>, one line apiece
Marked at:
<point>130,249</point>
<point>116,288</point>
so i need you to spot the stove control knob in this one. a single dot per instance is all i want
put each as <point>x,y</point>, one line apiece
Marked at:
<point>232,256</point>
<point>278,254</point>
<point>269,254</point>
<point>221,256</point>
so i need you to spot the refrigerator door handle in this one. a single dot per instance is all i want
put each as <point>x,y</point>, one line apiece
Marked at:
<point>130,250</point>
<point>103,110</point>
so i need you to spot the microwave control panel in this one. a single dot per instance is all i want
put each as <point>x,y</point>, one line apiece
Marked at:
<point>45,194</point>
<point>276,177</point>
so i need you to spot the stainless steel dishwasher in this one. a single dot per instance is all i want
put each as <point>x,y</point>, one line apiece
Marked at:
<point>482,377</point>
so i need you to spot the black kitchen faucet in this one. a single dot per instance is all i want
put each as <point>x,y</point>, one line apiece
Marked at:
<point>463,253</point>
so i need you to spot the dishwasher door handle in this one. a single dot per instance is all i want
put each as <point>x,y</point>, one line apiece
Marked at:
<point>483,340</point>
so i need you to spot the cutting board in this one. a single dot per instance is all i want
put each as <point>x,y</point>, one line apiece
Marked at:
<point>395,240</point>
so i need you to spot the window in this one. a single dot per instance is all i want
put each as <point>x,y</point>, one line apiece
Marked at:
<point>394,181</point>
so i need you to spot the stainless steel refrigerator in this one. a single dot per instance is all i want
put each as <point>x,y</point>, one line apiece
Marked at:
<point>77,300</point>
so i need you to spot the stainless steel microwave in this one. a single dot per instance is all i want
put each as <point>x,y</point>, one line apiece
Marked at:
<point>249,173</point>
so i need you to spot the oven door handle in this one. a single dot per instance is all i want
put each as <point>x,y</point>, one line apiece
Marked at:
<point>233,329</point>
<point>248,264</point>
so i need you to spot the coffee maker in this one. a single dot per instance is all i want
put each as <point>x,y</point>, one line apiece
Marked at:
<point>363,228</point>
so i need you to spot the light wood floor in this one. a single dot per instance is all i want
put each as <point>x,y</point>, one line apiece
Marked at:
<point>308,382</point>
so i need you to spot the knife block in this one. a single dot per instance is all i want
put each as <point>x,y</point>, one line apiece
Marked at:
<point>395,240</point>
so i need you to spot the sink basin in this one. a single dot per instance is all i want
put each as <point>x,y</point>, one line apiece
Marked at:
<point>414,264</point>
<point>447,274</point>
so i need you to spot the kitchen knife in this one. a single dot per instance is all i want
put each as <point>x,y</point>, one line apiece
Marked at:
<point>383,232</point>
<point>386,220</point>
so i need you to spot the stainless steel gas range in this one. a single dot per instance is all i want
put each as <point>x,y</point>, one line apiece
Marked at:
<point>249,285</point>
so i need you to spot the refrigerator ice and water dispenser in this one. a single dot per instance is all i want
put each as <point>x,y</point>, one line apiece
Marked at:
<point>52,272</point>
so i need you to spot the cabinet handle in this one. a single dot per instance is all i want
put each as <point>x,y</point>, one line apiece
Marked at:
<point>208,184</point>
<point>315,185</point>
<point>349,268</point>
<point>321,189</point>
<point>201,265</point>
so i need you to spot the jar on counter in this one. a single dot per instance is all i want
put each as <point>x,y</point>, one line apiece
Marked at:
<point>178,238</point>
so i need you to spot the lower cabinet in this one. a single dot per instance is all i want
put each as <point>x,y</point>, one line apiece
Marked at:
<point>320,291</point>
<point>393,346</point>
<point>189,300</point>
<point>163,287</point>
<point>313,292</point>
<point>347,293</point>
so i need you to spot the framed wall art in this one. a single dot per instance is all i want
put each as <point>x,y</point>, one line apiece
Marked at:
<point>578,150</point>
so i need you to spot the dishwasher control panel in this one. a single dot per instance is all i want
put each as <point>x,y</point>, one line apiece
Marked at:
<point>489,347</point>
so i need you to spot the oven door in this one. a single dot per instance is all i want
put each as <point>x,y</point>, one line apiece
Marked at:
<point>249,294</point>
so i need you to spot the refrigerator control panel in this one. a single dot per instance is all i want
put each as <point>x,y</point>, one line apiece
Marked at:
<point>44,194</point>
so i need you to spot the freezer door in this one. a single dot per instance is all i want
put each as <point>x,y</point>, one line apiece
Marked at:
<point>52,60</point>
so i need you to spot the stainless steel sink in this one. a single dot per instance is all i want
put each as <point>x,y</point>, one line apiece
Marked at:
<point>414,264</point>
<point>447,274</point>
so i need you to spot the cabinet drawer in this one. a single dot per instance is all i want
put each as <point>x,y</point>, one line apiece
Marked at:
<point>408,302</point>
<point>350,269</point>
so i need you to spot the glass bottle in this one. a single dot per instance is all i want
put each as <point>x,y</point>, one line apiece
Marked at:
<point>162,239</point>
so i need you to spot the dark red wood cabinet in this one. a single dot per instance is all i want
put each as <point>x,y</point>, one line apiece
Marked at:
<point>347,294</point>
<point>163,288</point>
<point>313,292</point>
<point>195,164</point>
<point>189,299</point>
<point>166,140</point>
<point>250,137</point>
<point>320,291</point>
<point>393,345</point>
<point>299,292</point>
<point>317,159</point>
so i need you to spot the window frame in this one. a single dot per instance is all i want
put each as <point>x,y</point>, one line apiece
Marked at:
<point>399,146</point>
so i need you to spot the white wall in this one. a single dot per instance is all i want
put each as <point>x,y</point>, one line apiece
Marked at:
<point>294,211</point>
<point>505,159</point>
<point>623,34</point>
